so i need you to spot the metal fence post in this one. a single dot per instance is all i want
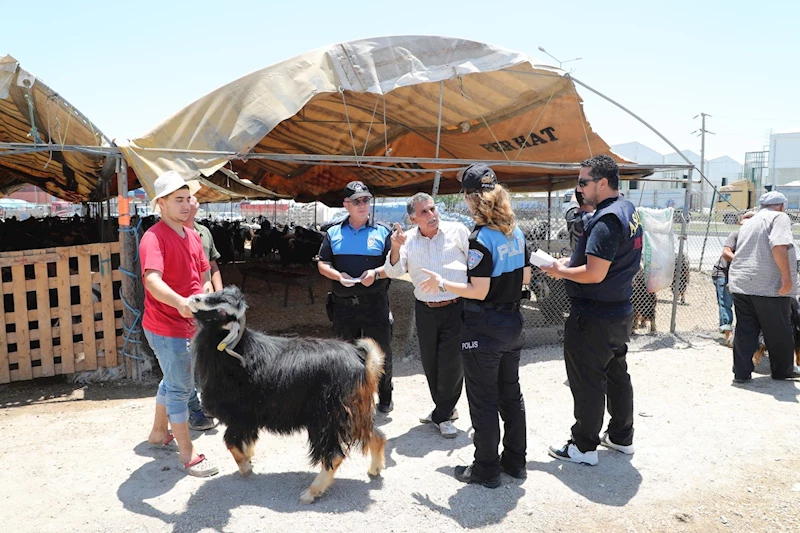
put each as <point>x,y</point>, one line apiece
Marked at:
<point>679,263</point>
<point>708,225</point>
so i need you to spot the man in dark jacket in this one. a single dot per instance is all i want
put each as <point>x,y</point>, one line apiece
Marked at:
<point>599,282</point>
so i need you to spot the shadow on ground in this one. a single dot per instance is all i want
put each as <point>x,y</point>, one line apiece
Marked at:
<point>614,481</point>
<point>213,503</point>
<point>496,503</point>
<point>59,389</point>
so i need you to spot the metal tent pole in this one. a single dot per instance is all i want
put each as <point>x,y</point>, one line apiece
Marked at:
<point>637,117</point>
<point>437,177</point>
<point>549,210</point>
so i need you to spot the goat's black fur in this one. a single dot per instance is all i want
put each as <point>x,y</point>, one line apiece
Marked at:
<point>644,303</point>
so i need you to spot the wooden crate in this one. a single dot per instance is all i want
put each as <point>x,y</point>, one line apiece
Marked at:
<point>49,323</point>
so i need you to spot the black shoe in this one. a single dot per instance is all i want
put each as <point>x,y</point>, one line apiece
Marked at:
<point>742,380</point>
<point>464,474</point>
<point>516,473</point>
<point>792,375</point>
<point>198,421</point>
<point>386,407</point>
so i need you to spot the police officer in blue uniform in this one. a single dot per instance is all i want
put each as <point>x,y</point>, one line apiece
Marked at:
<point>352,256</point>
<point>492,336</point>
<point>599,282</point>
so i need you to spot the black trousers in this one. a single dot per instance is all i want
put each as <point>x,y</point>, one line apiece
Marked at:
<point>490,347</point>
<point>439,330</point>
<point>594,353</point>
<point>370,318</point>
<point>772,316</point>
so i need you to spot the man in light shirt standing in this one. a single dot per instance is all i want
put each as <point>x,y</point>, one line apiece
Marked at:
<point>441,247</point>
<point>763,280</point>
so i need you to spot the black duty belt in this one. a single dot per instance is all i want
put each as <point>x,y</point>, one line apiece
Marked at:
<point>483,307</point>
<point>358,299</point>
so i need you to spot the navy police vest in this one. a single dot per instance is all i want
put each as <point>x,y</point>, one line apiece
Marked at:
<point>617,287</point>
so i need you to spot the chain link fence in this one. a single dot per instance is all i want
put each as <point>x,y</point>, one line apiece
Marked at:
<point>692,298</point>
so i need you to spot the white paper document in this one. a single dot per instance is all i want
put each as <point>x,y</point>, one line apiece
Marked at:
<point>541,258</point>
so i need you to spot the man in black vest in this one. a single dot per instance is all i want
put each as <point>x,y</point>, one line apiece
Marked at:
<point>599,282</point>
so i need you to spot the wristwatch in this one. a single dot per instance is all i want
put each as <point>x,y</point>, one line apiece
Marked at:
<point>441,285</point>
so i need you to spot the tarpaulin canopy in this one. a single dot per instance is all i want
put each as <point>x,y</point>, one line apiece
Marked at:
<point>32,113</point>
<point>387,111</point>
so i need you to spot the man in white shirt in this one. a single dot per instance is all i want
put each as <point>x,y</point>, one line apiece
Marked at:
<point>763,280</point>
<point>441,247</point>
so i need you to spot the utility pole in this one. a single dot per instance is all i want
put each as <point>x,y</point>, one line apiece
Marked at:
<point>702,131</point>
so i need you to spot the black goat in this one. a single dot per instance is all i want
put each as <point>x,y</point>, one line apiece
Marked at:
<point>794,312</point>
<point>551,297</point>
<point>644,303</point>
<point>680,279</point>
<point>285,385</point>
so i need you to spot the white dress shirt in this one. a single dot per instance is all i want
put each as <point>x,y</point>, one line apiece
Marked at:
<point>448,248</point>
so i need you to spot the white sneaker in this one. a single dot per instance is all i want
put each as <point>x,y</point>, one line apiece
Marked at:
<point>570,452</point>
<point>447,429</point>
<point>429,418</point>
<point>605,441</point>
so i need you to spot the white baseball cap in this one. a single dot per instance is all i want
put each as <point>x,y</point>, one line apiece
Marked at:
<point>169,182</point>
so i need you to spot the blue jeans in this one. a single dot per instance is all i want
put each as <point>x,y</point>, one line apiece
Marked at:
<point>176,390</point>
<point>725,301</point>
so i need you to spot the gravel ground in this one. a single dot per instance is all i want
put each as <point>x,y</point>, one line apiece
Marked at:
<point>710,457</point>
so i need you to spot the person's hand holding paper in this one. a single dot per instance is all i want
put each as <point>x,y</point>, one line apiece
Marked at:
<point>540,258</point>
<point>550,265</point>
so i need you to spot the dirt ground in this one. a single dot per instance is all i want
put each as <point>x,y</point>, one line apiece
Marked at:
<point>711,456</point>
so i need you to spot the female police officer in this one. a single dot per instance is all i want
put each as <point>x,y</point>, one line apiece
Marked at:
<point>492,336</point>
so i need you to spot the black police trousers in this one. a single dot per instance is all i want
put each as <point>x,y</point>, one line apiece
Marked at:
<point>773,317</point>
<point>439,330</point>
<point>594,353</point>
<point>490,348</point>
<point>369,317</point>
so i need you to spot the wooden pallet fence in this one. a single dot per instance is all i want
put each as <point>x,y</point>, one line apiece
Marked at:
<point>61,311</point>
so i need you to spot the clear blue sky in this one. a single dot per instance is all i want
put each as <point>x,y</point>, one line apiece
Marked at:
<point>129,65</point>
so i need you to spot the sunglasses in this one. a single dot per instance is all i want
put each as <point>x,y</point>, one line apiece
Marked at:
<point>360,201</point>
<point>583,183</point>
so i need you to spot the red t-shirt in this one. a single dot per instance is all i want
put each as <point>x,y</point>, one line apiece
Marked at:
<point>181,262</point>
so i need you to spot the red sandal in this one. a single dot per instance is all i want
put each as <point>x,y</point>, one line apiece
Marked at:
<point>200,467</point>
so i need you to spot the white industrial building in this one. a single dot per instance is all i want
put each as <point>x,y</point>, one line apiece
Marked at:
<point>718,170</point>
<point>784,158</point>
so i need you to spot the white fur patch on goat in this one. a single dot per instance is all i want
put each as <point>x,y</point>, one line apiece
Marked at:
<point>200,302</point>
<point>230,310</point>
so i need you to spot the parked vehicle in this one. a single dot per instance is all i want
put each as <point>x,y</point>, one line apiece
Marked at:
<point>228,216</point>
<point>733,199</point>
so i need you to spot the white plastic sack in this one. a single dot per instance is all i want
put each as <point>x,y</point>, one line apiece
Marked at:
<point>658,254</point>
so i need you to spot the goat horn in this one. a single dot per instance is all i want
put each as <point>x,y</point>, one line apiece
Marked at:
<point>230,337</point>
<point>236,355</point>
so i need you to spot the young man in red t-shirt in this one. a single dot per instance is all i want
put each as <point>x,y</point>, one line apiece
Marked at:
<point>174,267</point>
